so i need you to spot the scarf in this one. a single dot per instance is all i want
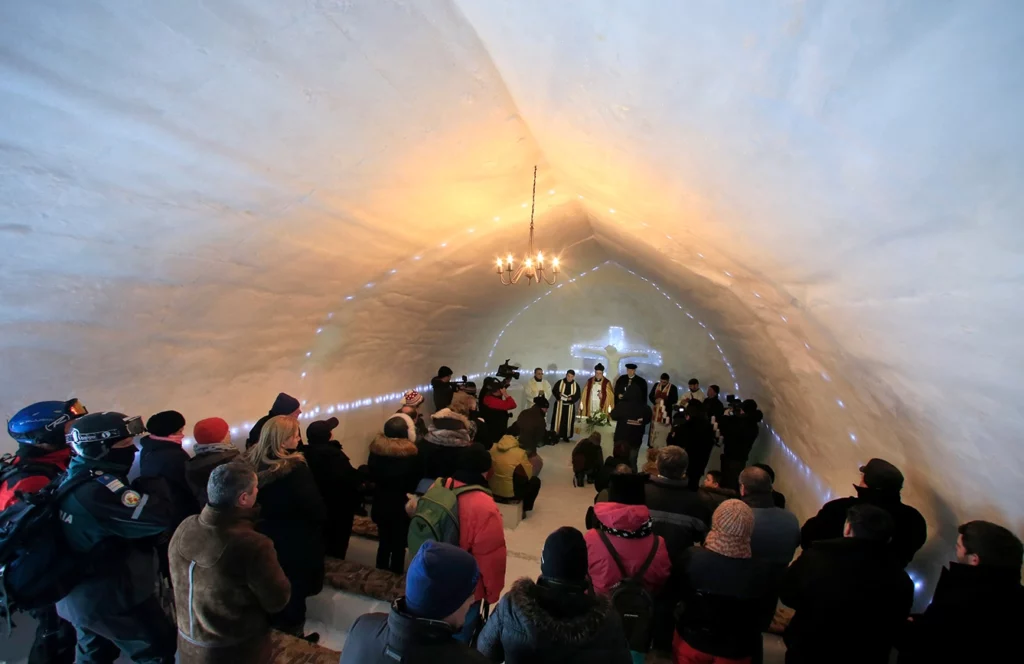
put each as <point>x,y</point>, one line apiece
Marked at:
<point>643,531</point>
<point>215,447</point>
<point>173,438</point>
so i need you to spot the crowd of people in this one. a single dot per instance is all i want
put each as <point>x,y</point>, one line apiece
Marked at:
<point>202,555</point>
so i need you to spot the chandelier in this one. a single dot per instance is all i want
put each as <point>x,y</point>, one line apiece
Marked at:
<point>532,266</point>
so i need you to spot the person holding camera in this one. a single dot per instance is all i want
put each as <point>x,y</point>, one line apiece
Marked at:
<point>442,388</point>
<point>495,408</point>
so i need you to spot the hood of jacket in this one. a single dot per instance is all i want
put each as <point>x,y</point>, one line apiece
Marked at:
<point>564,616</point>
<point>507,443</point>
<point>393,447</point>
<point>622,517</point>
<point>449,437</point>
<point>267,475</point>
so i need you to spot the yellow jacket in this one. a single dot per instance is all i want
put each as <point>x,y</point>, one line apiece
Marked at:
<point>505,457</point>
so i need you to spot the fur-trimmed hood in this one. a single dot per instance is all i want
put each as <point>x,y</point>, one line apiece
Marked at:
<point>562,616</point>
<point>393,447</point>
<point>267,475</point>
<point>446,418</point>
<point>449,437</point>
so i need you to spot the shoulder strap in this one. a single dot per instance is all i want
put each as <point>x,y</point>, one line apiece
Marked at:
<point>647,563</point>
<point>615,554</point>
<point>69,484</point>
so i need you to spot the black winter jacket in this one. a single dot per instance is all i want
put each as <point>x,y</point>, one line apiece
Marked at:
<point>739,433</point>
<point>714,407</point>
<point>443,392</point>
<point>975,616</point>
<point>851,601</point>
<point>550,623</point>
<point>678,512</point>
<point>339,485</point>
<point>726,602</point>
<point>201,466</point>
<point>293,516</point>
<point>167,460</point>
<point>909,535</point>
<point>631,420</point>
<point>387,638</point>
<point>395,469</point>
<point>441,451</point>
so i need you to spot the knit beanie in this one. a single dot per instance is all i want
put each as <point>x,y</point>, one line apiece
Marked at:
<point>284,404</point>
<point>400,425</point>
<point>440,578</point>
<point>627,489</point>
<point>166,423</point>
<point>211,431</point>
<point>412,398</point>
<point>564,557</point>
<point>731,527</point>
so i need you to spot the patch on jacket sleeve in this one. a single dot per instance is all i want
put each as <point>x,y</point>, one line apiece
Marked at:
<point>130,498</point>
<point>111,482</point>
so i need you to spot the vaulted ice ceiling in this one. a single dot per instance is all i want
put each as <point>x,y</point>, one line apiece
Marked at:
<point>190,190</point>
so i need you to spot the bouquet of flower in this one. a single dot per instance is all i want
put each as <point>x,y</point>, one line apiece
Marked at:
<point>598,419</point>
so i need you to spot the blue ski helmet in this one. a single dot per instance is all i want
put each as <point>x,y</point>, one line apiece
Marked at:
<point>44,422</point>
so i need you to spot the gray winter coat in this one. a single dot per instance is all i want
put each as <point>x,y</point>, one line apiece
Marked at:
<point>547,622</point>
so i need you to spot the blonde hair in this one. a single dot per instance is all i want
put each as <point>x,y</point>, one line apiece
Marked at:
<point>270,451</point>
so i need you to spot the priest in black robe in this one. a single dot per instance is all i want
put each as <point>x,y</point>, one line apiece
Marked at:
<point>630,386</point>
<point>565,395</point>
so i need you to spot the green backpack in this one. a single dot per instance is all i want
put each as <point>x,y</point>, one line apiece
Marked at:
<point>437,514</point>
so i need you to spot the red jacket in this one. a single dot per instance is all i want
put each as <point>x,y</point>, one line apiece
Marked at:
<point>497,403</point>
<point>482,534</point>
<point>603,571</point>
<point>28,483</point>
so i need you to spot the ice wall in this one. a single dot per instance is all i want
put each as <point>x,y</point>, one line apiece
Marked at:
<point>190,191</point>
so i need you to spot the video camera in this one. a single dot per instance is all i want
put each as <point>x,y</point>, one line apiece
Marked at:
<point>508,372</point>
<point>464,385</point>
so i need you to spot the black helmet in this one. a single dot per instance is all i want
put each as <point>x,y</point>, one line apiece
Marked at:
<point>44,422</point>
<point>93,435</point>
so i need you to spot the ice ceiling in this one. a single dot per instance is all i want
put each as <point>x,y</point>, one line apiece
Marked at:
<point>191,190</point>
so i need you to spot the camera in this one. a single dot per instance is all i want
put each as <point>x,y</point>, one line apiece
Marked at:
<point>508,371</point>
<point>464,385</point>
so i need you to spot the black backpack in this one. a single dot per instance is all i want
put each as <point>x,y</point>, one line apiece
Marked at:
<point>9,468</point>
<point>37,566</point>
<point>632,601</point>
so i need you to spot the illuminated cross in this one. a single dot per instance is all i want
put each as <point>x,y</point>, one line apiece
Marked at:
<point>614,352</point>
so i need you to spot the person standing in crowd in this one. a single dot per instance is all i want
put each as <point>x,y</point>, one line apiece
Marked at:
<point>284,404</point>
<point>162,458</point>
<point>777,497</point>
<point>598,395</point>
<point>713,493</point>
<point>538,387</point>
<point>622,544</point>
<point>663,397</point>
<point>513,476</point>
<point>558,619</point>
<point>713,405</point>
<point>978,607</point>
<point>851,597</point>
<point>565,394</point>
<point>213,448</point>
<point>880,485</point>
<point>480,533</point>
<point>693,393</point>
<point>739,432</point>
<point>631,418</point>
<point>533,425</point>
<point>449,436</point>
<point>496,408</point>
<point>395,468</point>
<point>411,402</point>
<point>695,434</point>
<point>43,454</point>
<point>339,484</point>
<point>723,593</point>
<point>630,386</point>
<point>442,388</point>
<point>226,578</point>
<point>421,627</point>
<point>776,531</point>
<point>115,607</point>
<point>679,514</point>
<point>292,515</point>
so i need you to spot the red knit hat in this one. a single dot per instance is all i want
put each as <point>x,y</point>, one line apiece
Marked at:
<point>210,431</point>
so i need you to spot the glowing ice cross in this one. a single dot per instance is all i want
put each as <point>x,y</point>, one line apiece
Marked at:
<point>614,353</point>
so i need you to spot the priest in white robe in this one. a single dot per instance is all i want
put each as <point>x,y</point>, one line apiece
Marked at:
<point>566,395</point>
<point>538,386</point>
<point>599,394</point>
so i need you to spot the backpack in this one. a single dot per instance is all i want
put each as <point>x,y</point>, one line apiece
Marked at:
<point>13,468</point>
<point>37,566</point>
<point>631,600</point>
<point>437,514</point>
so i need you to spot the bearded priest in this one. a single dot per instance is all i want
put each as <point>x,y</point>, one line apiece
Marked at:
<point>598,395</point>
